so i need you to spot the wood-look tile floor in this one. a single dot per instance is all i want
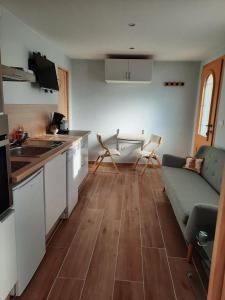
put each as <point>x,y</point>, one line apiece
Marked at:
<point>122,242</point>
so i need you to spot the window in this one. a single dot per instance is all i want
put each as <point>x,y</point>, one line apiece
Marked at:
<point>207,96</point>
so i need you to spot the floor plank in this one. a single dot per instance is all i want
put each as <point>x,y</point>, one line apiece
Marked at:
<point>131,191</point>
<point>179,269</point>
<point>157,280</point>
<point>102,192</point>
<point>125,290</point>
<point>129,264</point>
<point>66,289</point>
<point>100,278</point>
<point>114,203</point>
<point>43,279</point>
<point>79,255</point>
<point>68,227</point>
<point>150,230</point>
<point>174,240</point>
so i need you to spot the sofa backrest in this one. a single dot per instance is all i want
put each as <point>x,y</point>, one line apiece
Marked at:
<point>213,166</point>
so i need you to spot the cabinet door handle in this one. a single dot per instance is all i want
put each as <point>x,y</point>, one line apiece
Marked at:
<point>126,75</point>
<point>129,75</point>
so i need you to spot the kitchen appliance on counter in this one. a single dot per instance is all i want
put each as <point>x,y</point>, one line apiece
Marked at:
<point>58,124</point>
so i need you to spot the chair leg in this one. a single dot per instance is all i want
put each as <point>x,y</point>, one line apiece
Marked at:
<point>152,163</point>
<point>115,166</point>
<point>158,161</point>
<point>98,164</point>
<point>136,163</point>
<point>145,167</point>
<point>190,252</point>
<point>96,160</point>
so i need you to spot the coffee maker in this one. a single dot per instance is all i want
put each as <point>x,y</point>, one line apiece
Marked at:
<point>58,122</point>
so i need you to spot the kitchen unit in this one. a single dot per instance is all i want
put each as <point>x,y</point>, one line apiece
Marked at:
<point>30,227</point>
<point>55,190</point>
<point>45,189</point>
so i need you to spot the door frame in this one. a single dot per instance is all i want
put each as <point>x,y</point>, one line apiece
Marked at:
<point>216,289</point>
<point>200,102</point>
<point>68,95</point>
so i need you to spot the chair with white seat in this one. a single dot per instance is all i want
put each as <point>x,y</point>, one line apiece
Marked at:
<point>105,152</point>
<point>155,141</point>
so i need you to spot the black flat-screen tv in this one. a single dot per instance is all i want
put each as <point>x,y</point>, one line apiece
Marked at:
<point>44,71</point>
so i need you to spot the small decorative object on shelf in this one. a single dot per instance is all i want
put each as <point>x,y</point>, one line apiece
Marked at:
<point>174,83</point>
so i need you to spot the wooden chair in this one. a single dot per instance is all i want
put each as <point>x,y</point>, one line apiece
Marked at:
<point>105,152</point>
<point>155,140</point>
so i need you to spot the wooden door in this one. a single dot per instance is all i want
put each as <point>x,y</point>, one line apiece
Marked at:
<point>208,102</point>
<point>63,102</point>
<point>217,274</point>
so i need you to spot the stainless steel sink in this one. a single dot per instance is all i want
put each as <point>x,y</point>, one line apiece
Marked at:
<point>42,143</point>
<point>29,151</point>
<point>16,165</point>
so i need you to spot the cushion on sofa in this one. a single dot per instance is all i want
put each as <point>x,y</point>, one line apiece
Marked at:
<point>213,165</point>
<point>188,188</point>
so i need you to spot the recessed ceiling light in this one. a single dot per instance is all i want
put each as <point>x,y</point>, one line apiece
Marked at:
<point>131,24</point>
<point>131,48</point>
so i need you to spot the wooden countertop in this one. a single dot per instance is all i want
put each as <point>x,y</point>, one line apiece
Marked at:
<point>36,163</point>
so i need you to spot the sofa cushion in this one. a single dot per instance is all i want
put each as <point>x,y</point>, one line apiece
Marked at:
<point>213,165</point>
<point>187,189</point>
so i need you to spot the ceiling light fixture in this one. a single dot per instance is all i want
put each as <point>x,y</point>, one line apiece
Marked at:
<point>132,24</point>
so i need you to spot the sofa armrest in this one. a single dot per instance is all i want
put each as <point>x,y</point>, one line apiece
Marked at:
<point>173,161</point>
<point>203,217</point>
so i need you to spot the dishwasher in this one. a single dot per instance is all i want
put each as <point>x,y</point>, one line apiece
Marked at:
<point>73,166</point>
<point>28,199</point>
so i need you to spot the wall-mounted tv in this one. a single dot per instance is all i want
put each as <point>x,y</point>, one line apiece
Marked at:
<point>44,71</point>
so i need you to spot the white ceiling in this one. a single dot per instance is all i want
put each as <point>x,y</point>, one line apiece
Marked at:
<point>90,29</point>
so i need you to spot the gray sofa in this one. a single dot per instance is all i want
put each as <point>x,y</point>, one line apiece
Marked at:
<point>194,198</point>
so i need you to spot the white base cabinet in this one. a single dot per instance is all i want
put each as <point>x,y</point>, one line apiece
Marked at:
<point>8,268</point>
<point>83,171</point>
<point>55,190</point>
<point>30,227</point>
<point>72,177</point>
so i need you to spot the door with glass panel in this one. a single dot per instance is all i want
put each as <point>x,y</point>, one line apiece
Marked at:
<point>208,101</point>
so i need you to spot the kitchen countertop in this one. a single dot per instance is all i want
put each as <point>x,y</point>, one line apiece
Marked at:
<point>36,163</point>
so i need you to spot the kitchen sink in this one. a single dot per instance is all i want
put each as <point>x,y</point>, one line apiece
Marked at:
<point>29,151</point>
<point>16,165</point>
<point>42,143</point>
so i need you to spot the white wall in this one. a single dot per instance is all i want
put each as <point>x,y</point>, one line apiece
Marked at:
<point>167,111</point>
<point>17,41</point>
